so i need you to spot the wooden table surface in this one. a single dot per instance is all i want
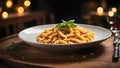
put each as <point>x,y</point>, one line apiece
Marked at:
<point>99,56</point>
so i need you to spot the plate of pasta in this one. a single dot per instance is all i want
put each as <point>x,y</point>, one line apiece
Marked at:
<point>64,37</point>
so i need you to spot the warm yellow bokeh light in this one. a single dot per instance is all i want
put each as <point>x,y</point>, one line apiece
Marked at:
<point>110,13</point>
<point>20,10</point>
<point>27,3</point>
<point>100,10</point>
<point>4,15</point>
<point>9,3</point>
<point>114,9</point>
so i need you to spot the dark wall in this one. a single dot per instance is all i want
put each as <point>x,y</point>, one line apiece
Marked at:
<point>68,9</point>
<point>111,3</point>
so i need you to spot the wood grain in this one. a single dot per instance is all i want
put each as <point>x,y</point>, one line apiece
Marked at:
<point>99,56</point>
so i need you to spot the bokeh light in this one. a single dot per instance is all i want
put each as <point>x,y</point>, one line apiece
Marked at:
<point>20,10</point>
<point>100,10</point>
<point>9,3</point>
<point>27,3</point>
<point>4,15</point>
<point>114,9</point>
<point>110,13</point>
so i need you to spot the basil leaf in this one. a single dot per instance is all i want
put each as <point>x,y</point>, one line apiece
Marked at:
<point>66,24</point>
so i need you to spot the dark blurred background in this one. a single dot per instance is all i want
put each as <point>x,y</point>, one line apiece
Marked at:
<point>71,9</point>
<point>62,9</point>
<point>82,11</point>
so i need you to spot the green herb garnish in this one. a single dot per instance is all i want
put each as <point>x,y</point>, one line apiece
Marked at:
<point>66,24</point>
<point>13,47</point>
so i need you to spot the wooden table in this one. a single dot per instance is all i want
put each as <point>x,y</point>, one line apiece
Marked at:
<point>99,56</point>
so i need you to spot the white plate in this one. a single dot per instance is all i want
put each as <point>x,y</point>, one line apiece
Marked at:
<point>29,36</point>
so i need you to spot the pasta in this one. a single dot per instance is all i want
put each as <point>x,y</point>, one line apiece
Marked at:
<point>66,35</point>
